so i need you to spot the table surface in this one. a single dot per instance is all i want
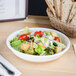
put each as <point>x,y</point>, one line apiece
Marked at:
<point>64,66</point>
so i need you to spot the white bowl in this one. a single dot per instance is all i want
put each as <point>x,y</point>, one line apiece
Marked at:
<point>34,58</point>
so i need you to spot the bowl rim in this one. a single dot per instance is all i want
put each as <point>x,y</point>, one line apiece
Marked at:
<point>60,53</point>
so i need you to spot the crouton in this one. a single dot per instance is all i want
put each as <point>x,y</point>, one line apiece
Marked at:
<point>25,47</point>
<point>58,49</point>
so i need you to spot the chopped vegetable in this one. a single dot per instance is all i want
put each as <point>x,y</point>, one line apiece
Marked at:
<point>25,31</point>
<point>42,46</point>
<point>31,45</point>
<point>23,37</point>
<point>60,39</point>
<point>57,39</point>
<point>39,33</point>
<point>28,33</point>
<point>47,33</point>
<point>55,44</point>
<point>37,43</point>
<point>54,34</point>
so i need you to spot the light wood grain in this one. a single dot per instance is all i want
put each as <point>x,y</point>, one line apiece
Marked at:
<point>37,19</point>
<point>64,66</point>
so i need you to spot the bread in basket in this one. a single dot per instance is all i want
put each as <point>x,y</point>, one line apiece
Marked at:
<point>64,21</point>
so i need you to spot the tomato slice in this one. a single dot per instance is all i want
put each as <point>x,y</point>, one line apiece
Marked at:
<point>23,37</point>
<point>57,39</point>
<point>39,33</point>
<point>36,33</point>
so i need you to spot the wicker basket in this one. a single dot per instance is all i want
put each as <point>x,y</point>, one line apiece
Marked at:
<point>68,29</point>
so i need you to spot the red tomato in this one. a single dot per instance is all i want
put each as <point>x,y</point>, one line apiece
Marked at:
<point>36,33</point>
<point>40,33</point>
<point>57,39</point>
<point>23,37</point>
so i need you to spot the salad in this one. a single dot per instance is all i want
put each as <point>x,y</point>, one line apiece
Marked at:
<point>37,42</point>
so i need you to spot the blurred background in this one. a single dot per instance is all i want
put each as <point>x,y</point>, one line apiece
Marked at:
<point>20,9</point>
<point>37,7</point>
